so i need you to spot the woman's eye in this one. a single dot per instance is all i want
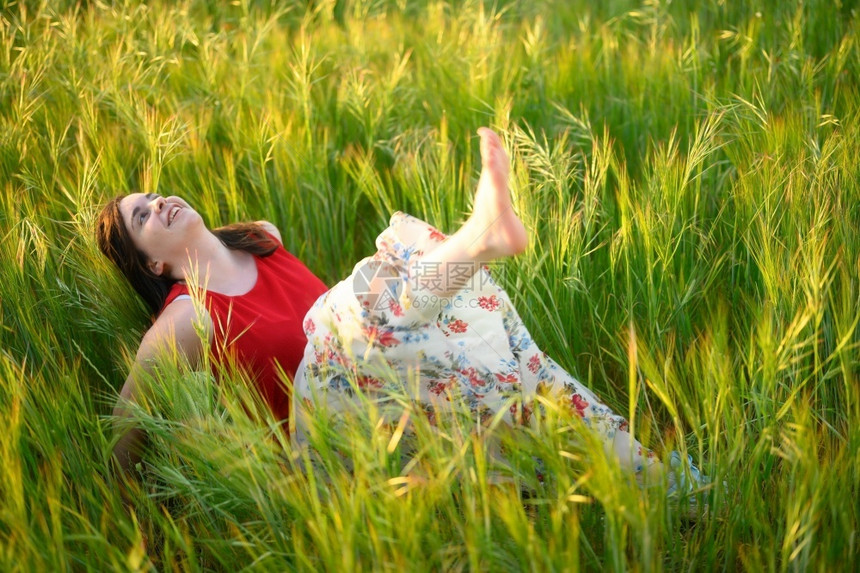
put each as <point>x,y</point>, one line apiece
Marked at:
<point>142,218</point>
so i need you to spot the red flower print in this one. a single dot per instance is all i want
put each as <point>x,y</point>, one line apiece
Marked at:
<point>490,303</point>
<point>580,404</point>
<point>384,337</point>
<point>395,307</point>
<point>436,235</point>
<point>438,387</point>
<point>458,325</point>
<point>309,326</point>
<point>368,382</point>
<point>329,356</point>
<point>475,379</point>
<point>527,416</point>
<point>521,416</point>
<point>534,364</point>
<point>507,378</point>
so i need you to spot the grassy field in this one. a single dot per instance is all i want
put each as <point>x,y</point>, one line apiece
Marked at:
<point>689,174</point>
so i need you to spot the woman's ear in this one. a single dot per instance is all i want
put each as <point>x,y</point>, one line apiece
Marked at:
<point>157,267</point>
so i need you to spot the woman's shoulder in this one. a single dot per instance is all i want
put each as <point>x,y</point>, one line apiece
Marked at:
<point>177,308</point>
<point>272,230</point>
<point>176,327</point>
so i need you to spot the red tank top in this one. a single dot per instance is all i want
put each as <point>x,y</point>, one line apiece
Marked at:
<point>261,330</point>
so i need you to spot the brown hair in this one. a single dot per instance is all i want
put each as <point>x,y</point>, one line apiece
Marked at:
<point>116,244</point>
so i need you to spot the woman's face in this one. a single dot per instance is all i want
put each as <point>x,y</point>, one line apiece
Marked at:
<point>160,227</point>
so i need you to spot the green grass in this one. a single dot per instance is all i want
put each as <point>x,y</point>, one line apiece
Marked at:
<point>688,172</point>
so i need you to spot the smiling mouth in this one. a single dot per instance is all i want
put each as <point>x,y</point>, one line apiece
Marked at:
<point>172,214</point>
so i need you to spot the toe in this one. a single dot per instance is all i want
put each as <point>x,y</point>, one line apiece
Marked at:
<point>486,145</point>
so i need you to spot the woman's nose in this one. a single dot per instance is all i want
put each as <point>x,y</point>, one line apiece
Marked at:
<point>158,204</point>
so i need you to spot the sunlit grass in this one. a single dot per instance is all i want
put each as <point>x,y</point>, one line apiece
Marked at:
<point>688,173</point>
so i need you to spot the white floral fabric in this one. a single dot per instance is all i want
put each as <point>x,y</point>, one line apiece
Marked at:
<point>381,329</point>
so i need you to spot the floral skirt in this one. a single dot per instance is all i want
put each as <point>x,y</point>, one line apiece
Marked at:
<point>380,332</point>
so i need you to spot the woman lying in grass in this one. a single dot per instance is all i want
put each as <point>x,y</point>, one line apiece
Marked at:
<point>422,306</point>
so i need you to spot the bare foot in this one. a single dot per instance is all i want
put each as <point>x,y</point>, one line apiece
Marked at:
<point>492,231</point>
<point>497,230</point>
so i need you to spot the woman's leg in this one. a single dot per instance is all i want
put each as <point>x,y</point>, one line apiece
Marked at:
<point>493,230</point>
<point>481,351</point>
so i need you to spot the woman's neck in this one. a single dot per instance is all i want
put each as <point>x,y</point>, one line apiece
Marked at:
<point>214,266</point>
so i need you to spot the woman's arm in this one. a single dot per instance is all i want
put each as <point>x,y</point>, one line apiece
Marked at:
<point>174,328</point>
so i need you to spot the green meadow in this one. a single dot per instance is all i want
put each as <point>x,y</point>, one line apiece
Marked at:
<point>689,172</point>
